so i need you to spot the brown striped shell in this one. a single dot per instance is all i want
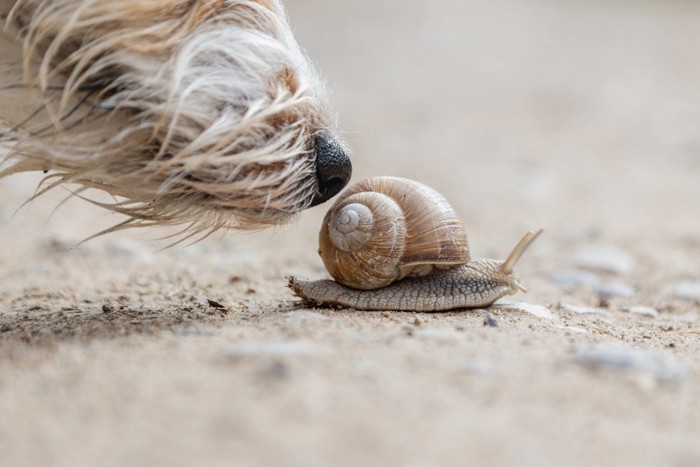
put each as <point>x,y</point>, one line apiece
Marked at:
<point>383,229</point>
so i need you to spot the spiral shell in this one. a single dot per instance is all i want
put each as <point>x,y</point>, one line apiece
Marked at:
<point>386,228</point>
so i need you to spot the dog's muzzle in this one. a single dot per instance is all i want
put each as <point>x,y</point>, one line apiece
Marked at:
<point>333,169</point>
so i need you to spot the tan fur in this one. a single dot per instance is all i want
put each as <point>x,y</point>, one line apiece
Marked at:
<point>190,112</point>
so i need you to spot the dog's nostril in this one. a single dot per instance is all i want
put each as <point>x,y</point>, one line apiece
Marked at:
<point>333,169</point>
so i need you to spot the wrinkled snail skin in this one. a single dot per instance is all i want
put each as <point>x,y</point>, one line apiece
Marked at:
<point>396,244</point>
<point>473,285</point>
<point>466,286</point>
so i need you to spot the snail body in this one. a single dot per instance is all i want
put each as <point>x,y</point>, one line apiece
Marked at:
<point>396,244</point>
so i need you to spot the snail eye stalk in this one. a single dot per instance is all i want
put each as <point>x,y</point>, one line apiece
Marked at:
<point>522,246</point>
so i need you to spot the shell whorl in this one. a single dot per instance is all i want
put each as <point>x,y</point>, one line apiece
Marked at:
<point>351,226</point>
<point>386,228</point>
<point>362,240</point>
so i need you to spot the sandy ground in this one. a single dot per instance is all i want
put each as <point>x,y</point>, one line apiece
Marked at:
<point>580,117</point>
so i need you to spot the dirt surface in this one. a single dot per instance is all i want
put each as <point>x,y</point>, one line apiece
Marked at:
<point>580,117</point>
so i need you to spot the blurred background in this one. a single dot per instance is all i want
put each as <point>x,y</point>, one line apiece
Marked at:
<point>578,116</point>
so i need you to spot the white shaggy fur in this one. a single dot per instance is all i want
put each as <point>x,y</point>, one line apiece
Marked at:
<point>202,113</point>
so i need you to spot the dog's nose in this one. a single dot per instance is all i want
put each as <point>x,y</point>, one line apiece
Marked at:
<point>333,169</point>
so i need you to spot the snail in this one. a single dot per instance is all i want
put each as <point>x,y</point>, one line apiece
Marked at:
<point>396,244</point>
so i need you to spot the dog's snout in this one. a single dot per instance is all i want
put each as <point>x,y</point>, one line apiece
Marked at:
<point>333,169</point>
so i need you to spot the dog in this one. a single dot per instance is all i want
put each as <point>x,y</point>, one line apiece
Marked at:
<point>200,113</point>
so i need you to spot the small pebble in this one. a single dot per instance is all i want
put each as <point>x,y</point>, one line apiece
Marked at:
<point>574,277</point>
<point>606,258</point>
<point>277,371</point>
<point>660,365</point>
<point>535,310</point>
<point>614,290</point>
<point>584,310</point>
<point>58,243</point>
<point>644,311</point>
<point>490,320</point>
<point>143,281</point>
<point>688,290</point>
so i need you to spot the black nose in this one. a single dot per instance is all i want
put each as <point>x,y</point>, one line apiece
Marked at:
<point>333,169</point>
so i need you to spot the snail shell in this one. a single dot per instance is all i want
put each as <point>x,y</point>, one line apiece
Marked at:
<point>386,228</point>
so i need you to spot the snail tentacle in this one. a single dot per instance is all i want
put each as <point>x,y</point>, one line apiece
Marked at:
<point>519,250</point>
